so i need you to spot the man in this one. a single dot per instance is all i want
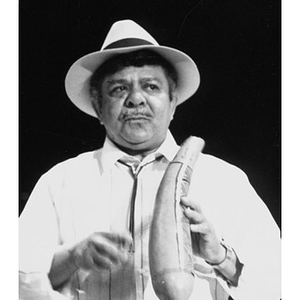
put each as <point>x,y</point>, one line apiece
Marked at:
<point>84,232</point>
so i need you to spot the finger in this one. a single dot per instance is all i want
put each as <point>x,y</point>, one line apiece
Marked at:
<point>188,202</point>
<point>202,228</point>
<point>123,239</point>
<point>109,249</point>
<point>88,259</point>
<point>100,262</point>
<point>194,216</point>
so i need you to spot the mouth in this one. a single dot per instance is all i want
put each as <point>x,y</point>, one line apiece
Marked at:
<point>136,116</point>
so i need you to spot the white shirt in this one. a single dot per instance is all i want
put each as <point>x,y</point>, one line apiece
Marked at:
<point>92,192</point>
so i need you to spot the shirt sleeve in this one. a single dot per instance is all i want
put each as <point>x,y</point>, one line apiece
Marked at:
<point>249,228</point>
<point>243,221</point>
<point>38,239</point>
<point>255,237</point>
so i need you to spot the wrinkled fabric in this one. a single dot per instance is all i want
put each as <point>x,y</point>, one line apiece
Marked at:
<point>92,192</point>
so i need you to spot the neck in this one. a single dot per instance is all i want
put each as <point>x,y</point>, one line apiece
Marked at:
<point>138,153</point>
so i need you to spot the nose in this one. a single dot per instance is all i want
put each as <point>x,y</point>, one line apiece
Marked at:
<point>135,98</point>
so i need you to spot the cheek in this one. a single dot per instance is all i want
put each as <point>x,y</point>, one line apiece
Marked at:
<point>166,113</point>
<point>111,113</point>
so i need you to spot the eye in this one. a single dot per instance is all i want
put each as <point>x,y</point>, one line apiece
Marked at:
<point>118,90</point>
<point>152,87</point>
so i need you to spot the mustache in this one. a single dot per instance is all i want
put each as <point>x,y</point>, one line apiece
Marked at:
<point>134,113</point>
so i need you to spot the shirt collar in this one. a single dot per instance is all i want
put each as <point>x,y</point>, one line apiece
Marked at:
<point>111,153</point>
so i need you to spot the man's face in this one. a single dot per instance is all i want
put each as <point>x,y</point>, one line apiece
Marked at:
<point>136,108</point>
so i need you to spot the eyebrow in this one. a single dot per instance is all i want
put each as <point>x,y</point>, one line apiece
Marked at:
<point>114,81</point>
<point>151,78</point>
<point>122,80</point>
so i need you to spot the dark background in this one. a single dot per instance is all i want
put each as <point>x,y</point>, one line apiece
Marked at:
<point>237,110</point>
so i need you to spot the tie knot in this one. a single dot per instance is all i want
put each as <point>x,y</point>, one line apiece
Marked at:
<point>132,163</point>
<point>135,165</point>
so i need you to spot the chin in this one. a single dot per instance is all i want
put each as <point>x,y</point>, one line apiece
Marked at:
<point>141,140</point>
<point>138,144</point>
<point>138,138</point>
<point>146,145</point>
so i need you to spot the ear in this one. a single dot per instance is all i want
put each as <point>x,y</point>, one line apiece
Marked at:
<point>97,108</point>
<point>174,101</point>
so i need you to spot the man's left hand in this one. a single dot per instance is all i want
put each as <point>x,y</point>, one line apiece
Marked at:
<point>205,242</point>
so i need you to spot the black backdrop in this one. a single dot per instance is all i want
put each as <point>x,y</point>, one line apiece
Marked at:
<point>236,45</point>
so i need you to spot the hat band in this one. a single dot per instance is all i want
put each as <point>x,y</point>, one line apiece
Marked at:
<point>128,42</point>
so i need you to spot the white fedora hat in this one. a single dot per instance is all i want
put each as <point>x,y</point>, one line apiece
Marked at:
<point>123,37</point>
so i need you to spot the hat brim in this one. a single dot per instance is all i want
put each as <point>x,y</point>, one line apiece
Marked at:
<point>77,82</point>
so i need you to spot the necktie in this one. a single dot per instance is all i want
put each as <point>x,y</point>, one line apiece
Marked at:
<point>131,286</point>
<point>135,168</point>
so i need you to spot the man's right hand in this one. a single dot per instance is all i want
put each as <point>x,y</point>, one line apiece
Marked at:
<point>99,251</point>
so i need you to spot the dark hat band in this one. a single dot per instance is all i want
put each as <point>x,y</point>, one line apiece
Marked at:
<point>128,42</point>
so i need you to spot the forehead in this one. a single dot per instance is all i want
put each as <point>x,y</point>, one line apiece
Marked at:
<point>144,72</point>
